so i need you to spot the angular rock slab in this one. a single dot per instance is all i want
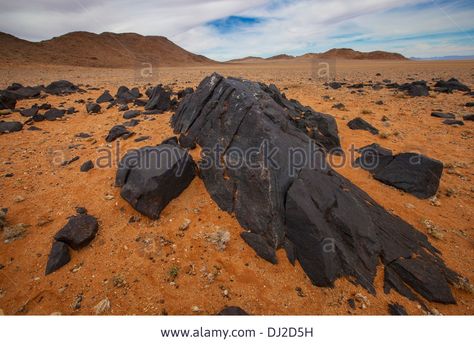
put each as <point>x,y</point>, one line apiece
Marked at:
<point>329,225</point>
<point>79,231</point>
<point>413,173</point>
<point>151,177</point>
<point>361,124</point>
<point>58,257</point>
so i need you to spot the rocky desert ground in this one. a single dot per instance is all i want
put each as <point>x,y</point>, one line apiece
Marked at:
<point>192,260</point>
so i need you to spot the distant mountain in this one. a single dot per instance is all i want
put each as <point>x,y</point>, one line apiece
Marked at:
<point>98,50</point>
<point>335,53</point>
<point>446,58</point>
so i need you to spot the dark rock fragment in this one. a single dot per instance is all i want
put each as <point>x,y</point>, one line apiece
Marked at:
<point>10,127</point>
<point>232,311</point>
<point>106,97</point>
<point>79,231</point>
<point>360,124</point>
<point>453,122</point>
<point>86,166</point>
<point>93,108</point>
<point>396,309</point>
<point>131,114</point>
<point>451,85</point>
<point>53,114</point>
<point>151,177</point>
<point>468,117</point>
<point>58,257</point>
<point>61,87</point>
<point>30,112</point>
<point>117,132</point>
<point>443,115</point>
<point>160,99</point>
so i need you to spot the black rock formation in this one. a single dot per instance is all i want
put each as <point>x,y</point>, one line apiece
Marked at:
<point>58,257</point>
<point>361,124</point>
<point>326,223</point>
<point>151,177</point>
<point>410,172</point>
<point>79,231</point>
<point>160,99</point>
<point>10,127</point>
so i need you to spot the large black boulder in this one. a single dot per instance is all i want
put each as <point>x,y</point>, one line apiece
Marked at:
<point>151,177</point>
<point>79,231</point>
<point>329,225</point>
<point>58,257</point>
<point>10,126</point>
<point>414,173</point>
<point>160,99</point>
<point>361,124</point>
<point>61,87</point>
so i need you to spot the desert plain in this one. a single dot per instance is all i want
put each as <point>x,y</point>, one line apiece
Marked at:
<point>145,267</point>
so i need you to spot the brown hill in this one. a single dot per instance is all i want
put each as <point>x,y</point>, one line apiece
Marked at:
<point>335,53</point>
<point>98,50</point>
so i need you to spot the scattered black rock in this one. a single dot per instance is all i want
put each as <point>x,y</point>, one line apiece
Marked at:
<point>7,100</point>
<point>61,87</point>
<point>232,311</point>
<point>396,309</point>
<point>29,112</point>
<point>184,92</point>
<point>417,89</point>
<point>360,124</point>
<point>93,108</point>
<point>83,135</point>
<point>470,104</point>
<point>58,257</point>
<point>117,132</point>
<point>10,127</point>
<point>142,138</point>
<point>45,106</point>
<point>79,231</point>
<point>356,86</point>
<point>86,166</point>
<point>53,114</point>
<point>333,227</point>
<point>468,118</point>
<point>106,97</point>
<point>71,110</point>
<point>379,102</point>
<point>443,115</point>
<point>81,210</point>
<point>125,96</point>
<point>160,99</point>
<point>450,86</point>
<point>335,85</point>
<point>153,176</point>
<point>410,172</point>
<point>34,128</point>
<point>131,123</point>
<point>72,160</point>
<point>453,122</point>
<point>25,92</point>
<point>131,114</point>
<point>123,107</point>
<point>339,106</point>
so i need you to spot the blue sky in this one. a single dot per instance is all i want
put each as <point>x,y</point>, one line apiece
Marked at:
<point>227,29</point>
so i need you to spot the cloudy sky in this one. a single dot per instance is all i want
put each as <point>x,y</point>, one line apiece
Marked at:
<point>226,29</point>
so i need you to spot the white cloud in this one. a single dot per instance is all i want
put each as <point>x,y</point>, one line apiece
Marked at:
<point>296,26</point>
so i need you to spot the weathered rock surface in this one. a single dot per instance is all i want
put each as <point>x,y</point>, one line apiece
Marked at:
<point>361,124</point>
<point>58,257</point>
<point>410,172</point>
<point>151,177</point>
<point>330,226</point>
<point>160,99</point>
<point>79,231</point>
<point>10,127</point>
